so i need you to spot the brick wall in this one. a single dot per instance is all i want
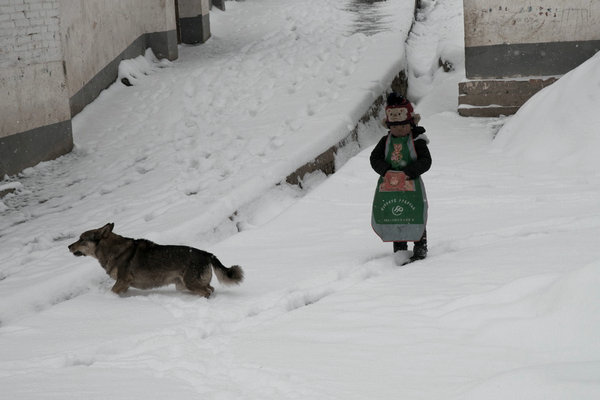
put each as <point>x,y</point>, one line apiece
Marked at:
<point>32,78</point>
<point>29,32</point>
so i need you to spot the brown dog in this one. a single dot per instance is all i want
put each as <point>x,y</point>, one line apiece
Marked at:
<point>142,264</point>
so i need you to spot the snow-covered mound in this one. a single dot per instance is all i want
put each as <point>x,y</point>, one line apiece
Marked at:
<point>133,70</point>
<point>560,125</point>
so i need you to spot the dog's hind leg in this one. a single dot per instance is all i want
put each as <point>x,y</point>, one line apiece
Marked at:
<point>180,285</point>
<point>197,280</point>
<point>200,291</point>
<point>120,286</point>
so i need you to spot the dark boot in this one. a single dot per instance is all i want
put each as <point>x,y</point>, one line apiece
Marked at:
<point>400,246</point>
<point>420,248</point>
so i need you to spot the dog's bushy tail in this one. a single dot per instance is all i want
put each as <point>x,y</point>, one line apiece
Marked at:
<point>233,275</point>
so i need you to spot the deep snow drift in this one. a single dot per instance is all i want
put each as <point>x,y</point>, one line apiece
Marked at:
<point>506,306</point>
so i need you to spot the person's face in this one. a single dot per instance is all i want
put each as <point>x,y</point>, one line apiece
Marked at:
<point>400,130</point>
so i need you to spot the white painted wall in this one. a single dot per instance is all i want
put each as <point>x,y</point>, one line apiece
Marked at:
<point>32,82</point>
<point>492,22</point>
<point>95,32</point>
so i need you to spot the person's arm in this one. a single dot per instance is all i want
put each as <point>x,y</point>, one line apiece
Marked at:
<point>423,161</point>
<point>377,158</point>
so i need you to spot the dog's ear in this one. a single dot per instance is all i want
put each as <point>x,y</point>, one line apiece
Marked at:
<point>106,229</point>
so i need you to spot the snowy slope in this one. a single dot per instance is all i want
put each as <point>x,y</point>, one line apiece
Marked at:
<point>175,156</point>
<point>506,306</point>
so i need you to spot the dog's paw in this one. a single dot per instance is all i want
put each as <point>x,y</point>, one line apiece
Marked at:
<point>120,288</point>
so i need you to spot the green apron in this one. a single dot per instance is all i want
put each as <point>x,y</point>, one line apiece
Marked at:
<point>400,205</point>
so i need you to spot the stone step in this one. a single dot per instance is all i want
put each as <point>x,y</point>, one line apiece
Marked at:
<point>495,97</point>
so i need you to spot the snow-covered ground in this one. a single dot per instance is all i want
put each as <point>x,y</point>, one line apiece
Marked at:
<point>506,306</point>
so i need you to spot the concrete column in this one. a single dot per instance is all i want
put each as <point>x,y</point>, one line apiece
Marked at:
<point>194,22</point>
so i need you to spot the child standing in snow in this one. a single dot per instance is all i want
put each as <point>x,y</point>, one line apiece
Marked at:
<point>400,158</point>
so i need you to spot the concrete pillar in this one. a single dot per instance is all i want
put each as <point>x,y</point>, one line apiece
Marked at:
<point>194,21</point>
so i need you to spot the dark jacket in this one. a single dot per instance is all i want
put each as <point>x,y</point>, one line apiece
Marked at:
<point>415,168</point>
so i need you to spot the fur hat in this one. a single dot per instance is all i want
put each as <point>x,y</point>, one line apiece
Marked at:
<point>399,111</point>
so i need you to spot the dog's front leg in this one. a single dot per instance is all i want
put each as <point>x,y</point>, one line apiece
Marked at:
<point>120,286</point>
<point>124,279</point>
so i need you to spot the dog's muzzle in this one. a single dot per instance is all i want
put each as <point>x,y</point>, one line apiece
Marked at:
<point>76,253</point>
